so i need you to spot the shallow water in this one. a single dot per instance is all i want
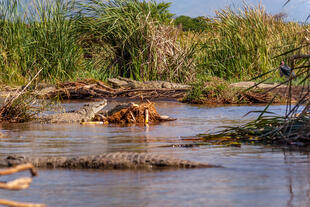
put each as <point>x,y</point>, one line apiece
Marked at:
<point>252,175</point>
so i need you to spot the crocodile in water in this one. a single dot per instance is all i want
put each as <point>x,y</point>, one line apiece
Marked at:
<point>86,113</point>
<point>118,160</point>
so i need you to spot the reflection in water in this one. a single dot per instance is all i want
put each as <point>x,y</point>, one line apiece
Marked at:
<point>253,175</point>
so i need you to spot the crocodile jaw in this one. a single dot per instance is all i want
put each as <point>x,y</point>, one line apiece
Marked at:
<point>100,106</point>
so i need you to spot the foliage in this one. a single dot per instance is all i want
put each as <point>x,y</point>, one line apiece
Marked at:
<point>42,36</point>
<point>242,44</point>
<point>196,95</point>
<point>216,90</point>
<point>142,44</point>
<point>137,39</point>
<point>197,24</point>
<point>276,130</point>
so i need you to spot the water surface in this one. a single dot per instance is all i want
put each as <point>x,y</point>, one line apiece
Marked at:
<point>252,175</point>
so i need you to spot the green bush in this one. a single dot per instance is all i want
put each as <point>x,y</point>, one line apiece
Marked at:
<point>192,24</point>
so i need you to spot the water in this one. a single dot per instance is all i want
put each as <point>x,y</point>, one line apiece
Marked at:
<point>252,175</point>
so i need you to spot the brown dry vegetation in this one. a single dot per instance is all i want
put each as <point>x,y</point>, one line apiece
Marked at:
<point>136,114</point>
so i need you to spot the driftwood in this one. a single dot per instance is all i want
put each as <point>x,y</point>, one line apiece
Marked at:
<point>96,89</point>
<point>19,168</point>
<point>253,97</point>
<point>18,184</point>
<point>19,204</point>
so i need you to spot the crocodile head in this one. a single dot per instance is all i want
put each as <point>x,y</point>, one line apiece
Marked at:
<point>99,105</point>
<point>93,108</point>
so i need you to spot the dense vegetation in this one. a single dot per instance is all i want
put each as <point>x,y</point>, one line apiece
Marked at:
<point>197,24</point>
<point>137,39</point>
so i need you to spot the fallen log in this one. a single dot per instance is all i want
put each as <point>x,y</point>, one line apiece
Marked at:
<point>19,204</point>
<point>96,89</point>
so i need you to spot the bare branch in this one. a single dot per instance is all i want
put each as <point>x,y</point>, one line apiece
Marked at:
<point>18,204</point>
<point>18,184</point>
<point>286,3</point>
<point>19,168</point>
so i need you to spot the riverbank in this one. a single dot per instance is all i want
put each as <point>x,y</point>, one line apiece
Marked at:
<point>213,93</point>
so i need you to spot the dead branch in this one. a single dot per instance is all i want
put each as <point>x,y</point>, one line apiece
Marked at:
<point>90,88</point>
<point>150,90</point>
<point>18,184</point>
<point>82,92</point>
<point>18,93</point>
<point>19,168</point>
<point>18,204</point>
<point>298,56</point>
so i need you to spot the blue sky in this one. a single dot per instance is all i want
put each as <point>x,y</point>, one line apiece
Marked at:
<point>297,10</point>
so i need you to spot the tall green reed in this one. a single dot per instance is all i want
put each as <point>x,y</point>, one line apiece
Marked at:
<point>242,44</point>
<point>40,35</point>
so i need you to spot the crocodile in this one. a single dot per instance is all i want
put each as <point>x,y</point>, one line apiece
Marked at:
<point>114,160</point>
<point>86,113</point>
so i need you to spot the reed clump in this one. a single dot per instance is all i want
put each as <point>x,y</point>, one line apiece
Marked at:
<point>18,108</point>
<point>275,130</point>
<point>142,42</point>
<point>243,44</point>
<point>240,45</point>
<point>34,36</point>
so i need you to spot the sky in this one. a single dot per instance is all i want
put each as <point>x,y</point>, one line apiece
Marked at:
<point>297,10</point>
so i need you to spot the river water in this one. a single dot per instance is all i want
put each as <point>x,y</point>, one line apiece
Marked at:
<point>251,175</point>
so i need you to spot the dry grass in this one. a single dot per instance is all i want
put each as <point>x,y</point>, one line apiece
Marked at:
<point>136,114</point>
<point>18,110</point>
